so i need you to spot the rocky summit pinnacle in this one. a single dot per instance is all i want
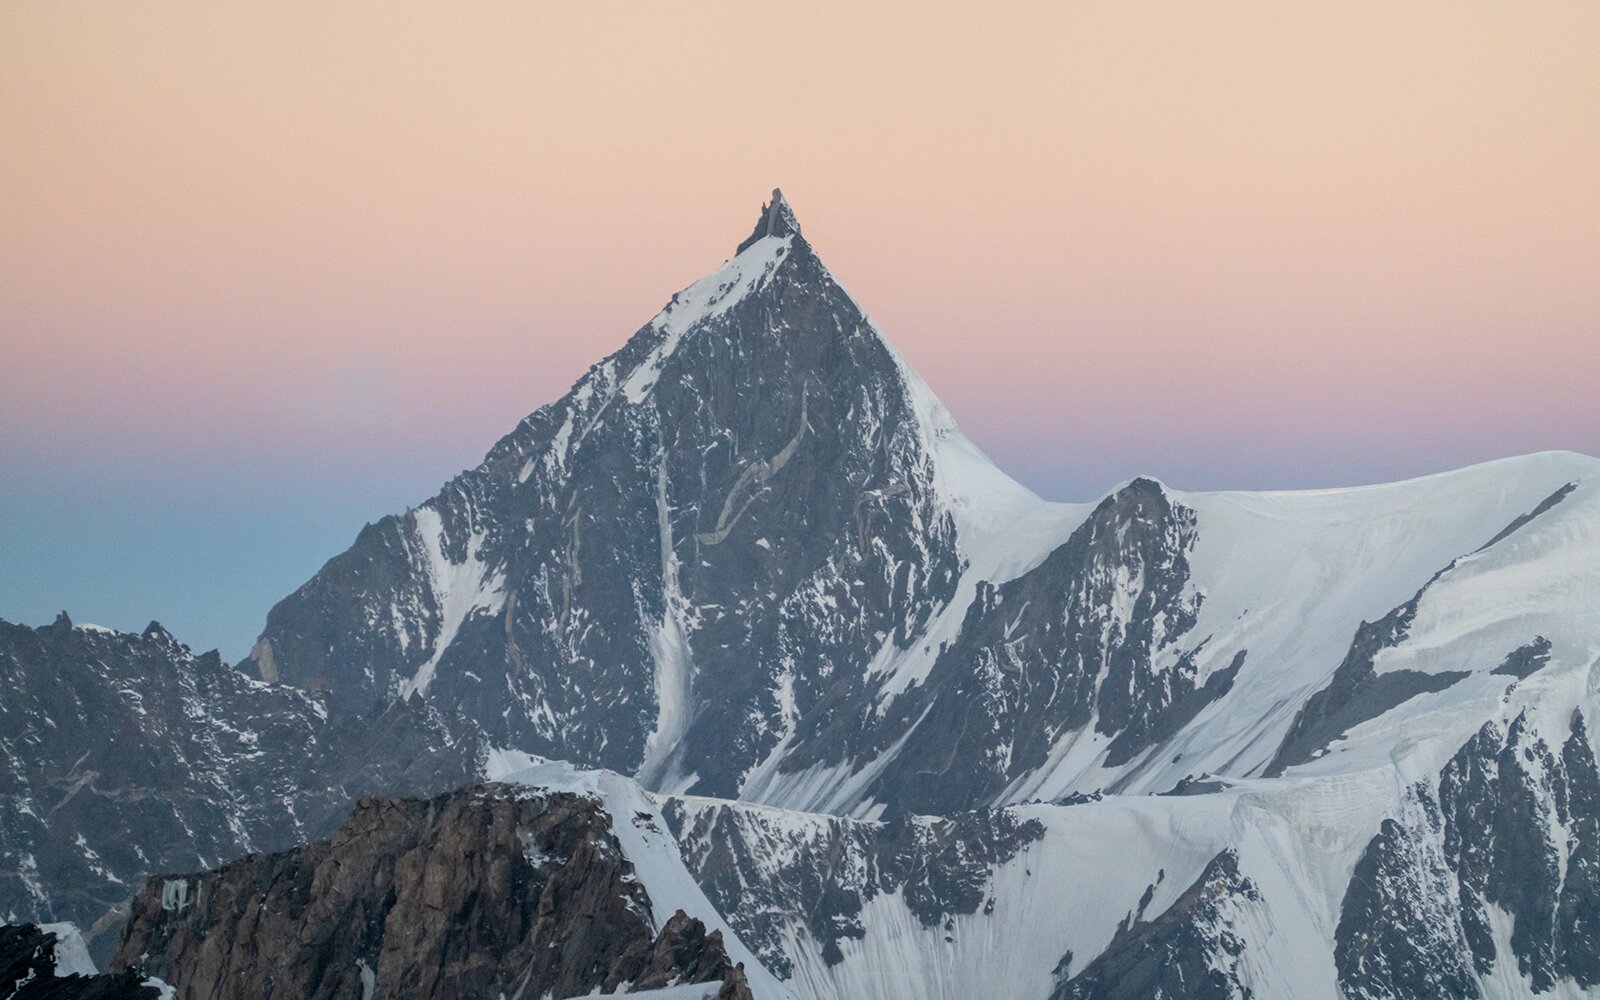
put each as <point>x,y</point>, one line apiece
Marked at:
<point>777,219</point>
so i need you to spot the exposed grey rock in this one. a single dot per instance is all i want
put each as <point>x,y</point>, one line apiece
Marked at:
<point>1544,505</point>
<point>777,219</point>
<point>1191,951</point>
<point>1357,692</point>
<point>1577,917</point>
<point>122,755</point>
<point>1496,795</point>
<point>1416,918</point>
<point>1400,932</point>
<point>764,878</point>
<point>1526,660</point>
<point>1045,654</point>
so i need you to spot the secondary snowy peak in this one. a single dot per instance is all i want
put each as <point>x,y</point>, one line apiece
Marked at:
<point>1179,638</point>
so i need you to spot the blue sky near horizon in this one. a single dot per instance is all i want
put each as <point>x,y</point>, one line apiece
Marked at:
<point>207,547</point>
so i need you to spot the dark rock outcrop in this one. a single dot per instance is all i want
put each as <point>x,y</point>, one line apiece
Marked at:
<point>1394,937</point>
<point>734,985</point>
<point>1525,660</point>
<point>490,890</point>
<point>1544,506</point>
<point>822,871</point>
<point>1048,653</point>
<point>1514,830</point>
<point>28,971</point>
<point>1189,952</point>
<point>1358,693</point>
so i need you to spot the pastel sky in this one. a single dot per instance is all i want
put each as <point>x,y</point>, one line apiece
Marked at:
<point>268,272</point>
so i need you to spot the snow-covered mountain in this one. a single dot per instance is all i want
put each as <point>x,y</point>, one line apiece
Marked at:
<point>909,730</point>
<point>750,555</point>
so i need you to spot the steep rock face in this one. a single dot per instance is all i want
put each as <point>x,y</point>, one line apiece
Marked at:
<point>123,754</point>
<point>1492,878</point>
<point>491,890</point>
<point>1095,642</point>
<point>709,537</point>
<point>1399,932</point>
<point>32,967</point>
<point>1190,952</point>
<point>762,872</point>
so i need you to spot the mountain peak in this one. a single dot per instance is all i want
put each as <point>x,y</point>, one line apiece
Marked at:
<point>777,219</point>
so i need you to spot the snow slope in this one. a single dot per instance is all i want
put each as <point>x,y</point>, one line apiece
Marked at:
<point>1082,872</point>
<point>652,850</point>
<point>1288,578</point>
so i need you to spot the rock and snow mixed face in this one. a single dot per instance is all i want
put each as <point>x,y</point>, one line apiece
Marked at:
<point>124,754</point>
<point>715,533</point>
<point>750,555</point>
<point>526,890</point>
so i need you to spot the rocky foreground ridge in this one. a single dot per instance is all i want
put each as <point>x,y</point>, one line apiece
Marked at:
<point>491,890</point>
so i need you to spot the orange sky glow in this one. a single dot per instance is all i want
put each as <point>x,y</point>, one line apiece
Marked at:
<point>1240,244</point>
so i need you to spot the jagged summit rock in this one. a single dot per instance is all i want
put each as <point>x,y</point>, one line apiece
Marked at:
<point>777,219</point>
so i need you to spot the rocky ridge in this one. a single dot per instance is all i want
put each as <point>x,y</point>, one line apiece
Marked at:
<point>489,890</point>
<point>123,755</point>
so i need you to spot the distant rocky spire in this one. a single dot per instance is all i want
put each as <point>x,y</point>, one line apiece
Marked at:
<point>777,219</point>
